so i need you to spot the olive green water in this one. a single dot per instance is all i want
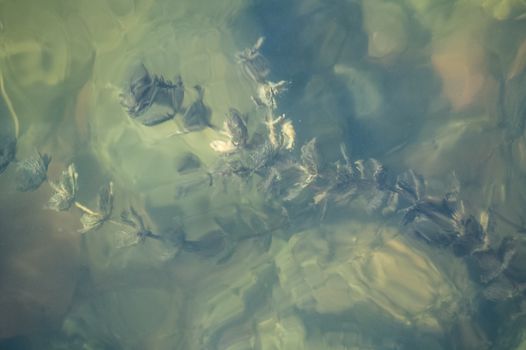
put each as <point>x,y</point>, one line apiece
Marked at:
<point>437,86</point>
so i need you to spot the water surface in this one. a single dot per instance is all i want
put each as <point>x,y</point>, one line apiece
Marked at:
<point>274,257</point>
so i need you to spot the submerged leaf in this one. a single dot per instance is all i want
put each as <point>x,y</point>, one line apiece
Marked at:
<point>92,220</point>
<point>262,157</point>
<point>268,93</point>
<point>151,99</point>
<point>141,94</point>
<point>254,64</point>
<point>411,185</point>
<point>236,128</point>
<point>310,157</point>
<point>197,116</point>
<point>31,172</point>
<point>288,135</point>
<point>65,190</point>
<point>105,201</point>
<point>209,245</point>
<point>135,221</point>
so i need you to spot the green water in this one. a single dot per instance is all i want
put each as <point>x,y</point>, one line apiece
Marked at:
<point>436,86</point>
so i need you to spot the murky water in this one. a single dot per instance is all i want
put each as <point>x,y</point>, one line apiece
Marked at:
<point>367,193</point>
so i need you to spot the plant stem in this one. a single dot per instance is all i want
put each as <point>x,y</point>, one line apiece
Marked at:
<point>85,209</point>
<point>9,106</point>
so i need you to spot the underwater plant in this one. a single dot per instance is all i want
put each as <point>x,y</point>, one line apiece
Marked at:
<point>92,220</point>
<point>65,190</point>
<point>32,172</point>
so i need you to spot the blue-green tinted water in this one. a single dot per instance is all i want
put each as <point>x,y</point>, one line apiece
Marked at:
<point>367,194</point>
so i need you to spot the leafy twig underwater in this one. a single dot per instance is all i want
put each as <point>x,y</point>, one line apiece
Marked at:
<point>65,197</point>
